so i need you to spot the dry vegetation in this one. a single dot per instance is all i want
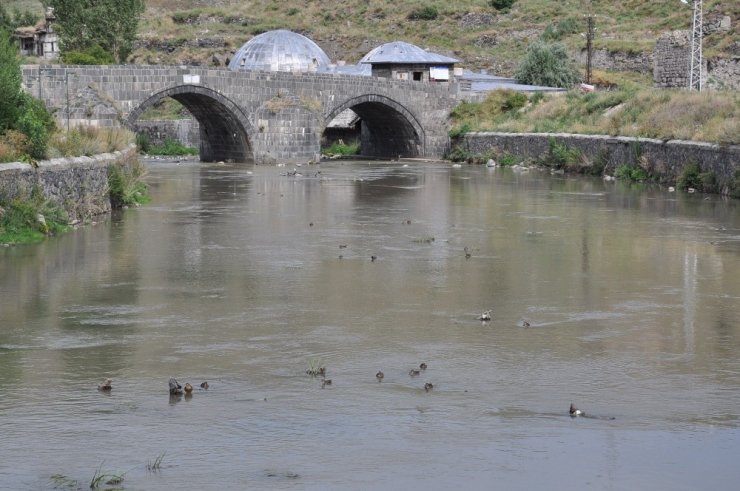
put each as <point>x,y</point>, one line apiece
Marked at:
<point>648,113</point>
<point>192,31</point>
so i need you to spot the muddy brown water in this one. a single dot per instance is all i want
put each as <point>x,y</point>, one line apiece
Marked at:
<point>233,275</point>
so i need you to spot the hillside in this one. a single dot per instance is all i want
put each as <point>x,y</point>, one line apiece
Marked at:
<point>207,31</point>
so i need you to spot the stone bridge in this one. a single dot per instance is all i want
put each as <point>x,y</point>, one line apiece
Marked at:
<point>255,116</point>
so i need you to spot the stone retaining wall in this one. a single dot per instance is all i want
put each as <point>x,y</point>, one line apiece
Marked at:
<point>77,184</point>
<point>186,131</point>
<point>665,160</point>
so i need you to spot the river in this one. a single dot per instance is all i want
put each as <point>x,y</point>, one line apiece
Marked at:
<point>246,277</point>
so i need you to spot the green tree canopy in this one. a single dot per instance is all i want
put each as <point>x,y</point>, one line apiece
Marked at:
<point>548,65</point>
<point>10,82</point>
<point>110,24</point>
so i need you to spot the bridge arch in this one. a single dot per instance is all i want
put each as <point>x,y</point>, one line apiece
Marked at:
<point>388,129</point>
<point>224,129</point>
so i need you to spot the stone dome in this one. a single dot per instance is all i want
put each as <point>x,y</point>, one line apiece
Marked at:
<point>280,51</point>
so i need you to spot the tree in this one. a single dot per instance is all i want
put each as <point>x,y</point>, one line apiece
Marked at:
<point>111,24</point>
<point>548,65</point>
<point>10,82</point>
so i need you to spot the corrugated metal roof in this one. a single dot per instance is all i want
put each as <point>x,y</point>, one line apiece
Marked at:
<point>400,52</point>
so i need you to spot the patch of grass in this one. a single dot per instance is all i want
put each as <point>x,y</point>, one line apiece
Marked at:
<point>156,464</point>
<point>428,12</point>
<point>461,130</point>
<point>60,481</point>
<point>692,177</point>
<point>30,218</point>
<point>88,140</point>
<point>172,147</point>
<point>107,478</point>
<point>561,156</point>
<point>168,108</point>
<point>126,183</point>
<point>340,148</point>
<point>632,173</point>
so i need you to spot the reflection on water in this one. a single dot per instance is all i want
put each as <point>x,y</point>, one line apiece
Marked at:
<point>243,276</point>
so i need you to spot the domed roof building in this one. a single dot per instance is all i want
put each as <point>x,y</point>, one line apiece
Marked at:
<point>280,51</point>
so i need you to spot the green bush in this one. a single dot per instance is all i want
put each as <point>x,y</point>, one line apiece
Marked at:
<point>548,65</point>
<point>556,32</point>
<point>560,155</point>
<point>186,17</point>
<point>502,5</point>
<point>341,148</point>
<point>423,13</point>
<point>172,147</point>
<point>458,154</point>
<point>126,183</point>
<point>626,172</point>
<point>95,55</point>
<point>292,11</point>
<point>37,123</point>
<point>30,219</point>
<point>689,177</point>
<point>458,131</point>
<point>143,142</point>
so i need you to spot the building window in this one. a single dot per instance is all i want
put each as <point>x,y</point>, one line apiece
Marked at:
<point>418,76</point>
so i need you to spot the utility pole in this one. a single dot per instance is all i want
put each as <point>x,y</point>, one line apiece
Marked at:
<point>589,45</point>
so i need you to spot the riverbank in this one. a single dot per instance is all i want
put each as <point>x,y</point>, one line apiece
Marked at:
<point>48,197</point>
<point>704,167</point>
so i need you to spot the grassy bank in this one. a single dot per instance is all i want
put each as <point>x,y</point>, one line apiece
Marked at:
<point>30,218</point>
<point>340,148</point>
<point>647,113</point>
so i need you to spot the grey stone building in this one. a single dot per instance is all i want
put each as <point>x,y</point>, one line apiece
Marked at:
<point>404,61</point>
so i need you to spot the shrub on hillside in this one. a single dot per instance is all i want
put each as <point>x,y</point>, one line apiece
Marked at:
<point>424,13</point>
<point>94,55</point>
<point>502,5</point>
<point>548,65</point>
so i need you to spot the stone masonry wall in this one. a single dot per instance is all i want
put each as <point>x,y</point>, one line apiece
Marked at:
<point>77,184</point>
<point>672,57</point>
<point>659,158</point>
<point>251,113</point>
<point>186,131</point>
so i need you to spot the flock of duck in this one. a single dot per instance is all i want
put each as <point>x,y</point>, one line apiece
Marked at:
<point>178,390</point>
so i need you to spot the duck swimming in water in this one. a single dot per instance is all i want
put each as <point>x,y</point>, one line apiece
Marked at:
<point>188,388</point>
<point>525,324</point>
<point>379,376</point>
<point>413,372</point>
<point>574,411</point>
<point>423,366</point>
<point>204,385</point>
<point>485,316</point>
<point>428,386</point>
<point>105,386</point>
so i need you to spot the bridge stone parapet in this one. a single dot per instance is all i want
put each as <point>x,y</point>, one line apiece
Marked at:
<point>255,115</point>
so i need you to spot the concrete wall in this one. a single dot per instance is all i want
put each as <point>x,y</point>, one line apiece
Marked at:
<point>261,116</point>
<point>658,158</point>
<point>77,184</point>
